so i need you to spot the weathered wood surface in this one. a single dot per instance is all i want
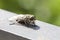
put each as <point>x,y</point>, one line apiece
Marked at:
<point>42,31</point>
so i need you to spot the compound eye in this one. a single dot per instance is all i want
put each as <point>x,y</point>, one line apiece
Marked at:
<point>32,18</point>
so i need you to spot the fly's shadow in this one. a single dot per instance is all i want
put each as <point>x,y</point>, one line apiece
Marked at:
<point>35,27</point>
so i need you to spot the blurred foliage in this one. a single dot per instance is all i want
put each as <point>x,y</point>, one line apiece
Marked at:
<point>44,10</point>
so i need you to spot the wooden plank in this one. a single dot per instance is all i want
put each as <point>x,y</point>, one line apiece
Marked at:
<point>42,30</point>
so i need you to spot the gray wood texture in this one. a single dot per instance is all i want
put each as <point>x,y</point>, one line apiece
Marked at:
<point>41,31</point>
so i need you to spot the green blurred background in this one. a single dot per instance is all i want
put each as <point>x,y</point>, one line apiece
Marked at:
<point>44,10</point>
